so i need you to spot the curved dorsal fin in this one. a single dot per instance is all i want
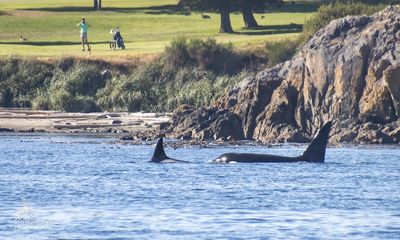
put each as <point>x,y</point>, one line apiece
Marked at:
<point>159,153</point>
<point>316,150</point>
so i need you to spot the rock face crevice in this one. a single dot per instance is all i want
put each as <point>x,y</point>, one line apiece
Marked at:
<point>348,72</point>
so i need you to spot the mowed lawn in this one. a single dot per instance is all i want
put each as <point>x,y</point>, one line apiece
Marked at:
<point>146,25</point>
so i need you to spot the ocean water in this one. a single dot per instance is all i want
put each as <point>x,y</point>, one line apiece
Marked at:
<point>70,187</point>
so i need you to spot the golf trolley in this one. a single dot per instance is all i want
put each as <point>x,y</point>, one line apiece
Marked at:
<point>119,42</point>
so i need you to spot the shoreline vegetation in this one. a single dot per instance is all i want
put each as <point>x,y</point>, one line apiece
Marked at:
<point>190,71</point>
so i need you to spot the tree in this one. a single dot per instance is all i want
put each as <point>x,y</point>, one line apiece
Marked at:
<point>248,17</point>
<point>247,7</point>
<point>224,7</point>
<point>97,5</point>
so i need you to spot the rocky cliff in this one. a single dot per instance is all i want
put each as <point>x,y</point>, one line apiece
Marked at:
<point>349,72</point>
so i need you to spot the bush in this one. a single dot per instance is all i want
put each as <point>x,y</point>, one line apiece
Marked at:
<point>191,74</point>
<point>190,86</point>
<point>86,104</point>
<point>223,84</point>
<point>176,54</point>
<point>66,63</point>
<point>9,67</point>
<point>5,96</point>
<point>208,54</point>
<point>278,52</point>
<point>41,100</point>
<point>80,80</point>
<point>21,79</point>
<point>196,94</point>
<point>213,56</point>
<point>140,91</point>
<point>81,87</point>
<point>327,13</point>
<point>201,90</point>
<point>144,91</point>
<point>63,101</point>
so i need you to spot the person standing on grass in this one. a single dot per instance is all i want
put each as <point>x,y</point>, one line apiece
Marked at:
<point>84,33</point>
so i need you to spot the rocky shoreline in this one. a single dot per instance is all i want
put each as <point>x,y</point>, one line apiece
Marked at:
<point>153,126</point>
<point>348,72</point>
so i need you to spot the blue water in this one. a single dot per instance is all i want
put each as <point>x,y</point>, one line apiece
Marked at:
<point>54,187</point>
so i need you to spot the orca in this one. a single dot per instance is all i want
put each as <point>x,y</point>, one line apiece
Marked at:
<point>314,153</point>
<point>159,155</point>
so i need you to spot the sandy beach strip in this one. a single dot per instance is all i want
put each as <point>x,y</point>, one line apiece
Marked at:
<point>18,119</point>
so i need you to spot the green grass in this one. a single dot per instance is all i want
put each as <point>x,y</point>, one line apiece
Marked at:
<point>147,26</point>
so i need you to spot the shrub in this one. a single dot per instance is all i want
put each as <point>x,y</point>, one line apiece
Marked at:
<point>196,93</point>
<point>223,84</point>
<point>9,67</point>
<point>327,13</point>
<point>82,88</point>
<point>213,56</point>
<point>140,91</point>
<point>282,51</point>
<point>81,80</point>
<point>5,96</point>
<point>86,104</point>
<point>190,85</point>
<point>191,74</point>
<point>41,100</point>
<point>22,78</point>
<point>203,88</point>
<point>62,100</point>
<point>176,53</point>
<point>31,75</point>
<point>66,63</point>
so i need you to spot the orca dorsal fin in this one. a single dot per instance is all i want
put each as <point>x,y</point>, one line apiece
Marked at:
<point>159,153</point>
<point>315,152</point>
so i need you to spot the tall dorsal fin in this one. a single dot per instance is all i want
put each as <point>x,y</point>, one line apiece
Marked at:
<point>159,153</point>
<point>316,150</point>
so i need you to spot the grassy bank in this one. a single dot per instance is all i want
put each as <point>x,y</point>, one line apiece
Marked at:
<point>189,71</point>
<point>147,26</point>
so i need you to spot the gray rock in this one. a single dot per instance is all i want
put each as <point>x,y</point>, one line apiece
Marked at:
<point>348,72</point>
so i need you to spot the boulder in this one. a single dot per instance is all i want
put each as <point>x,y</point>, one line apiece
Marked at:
<point>206,124</point>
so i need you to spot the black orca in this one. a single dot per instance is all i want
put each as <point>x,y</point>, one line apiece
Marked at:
<point>159,155</point>
<point>314,153</point>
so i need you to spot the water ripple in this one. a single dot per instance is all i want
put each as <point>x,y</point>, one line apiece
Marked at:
<point>56,187</point>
